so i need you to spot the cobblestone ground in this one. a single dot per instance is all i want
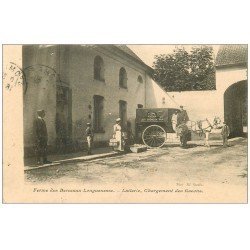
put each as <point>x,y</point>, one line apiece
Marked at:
<point>195,164</point>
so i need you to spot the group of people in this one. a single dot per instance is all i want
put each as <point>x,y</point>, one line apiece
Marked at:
<point>123,136</point>
<point>41,137</point>
<point>179,120</point>
<point>118,135</point>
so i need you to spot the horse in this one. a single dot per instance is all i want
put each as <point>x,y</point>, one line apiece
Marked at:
<point>200,127</point>
<point>205,127</point>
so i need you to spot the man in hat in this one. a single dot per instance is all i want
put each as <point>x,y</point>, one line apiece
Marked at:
<point>182,116</point>
<point>181,127</point>
<point>225,132</point>
<point>90,135</point>
<point>41,137</point>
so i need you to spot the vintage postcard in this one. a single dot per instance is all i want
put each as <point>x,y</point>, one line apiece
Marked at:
<point>125,123</point>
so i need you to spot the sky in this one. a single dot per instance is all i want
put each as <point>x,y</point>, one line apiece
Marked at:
<point>147,52</point>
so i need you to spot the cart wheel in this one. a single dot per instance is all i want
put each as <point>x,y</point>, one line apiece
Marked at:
<point>154,136</point>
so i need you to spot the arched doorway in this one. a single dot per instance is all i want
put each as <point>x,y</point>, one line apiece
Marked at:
<point>235,108</point>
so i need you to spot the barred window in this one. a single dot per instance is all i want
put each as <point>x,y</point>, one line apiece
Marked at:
<point>98,113</point>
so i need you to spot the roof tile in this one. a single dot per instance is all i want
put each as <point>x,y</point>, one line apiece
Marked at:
<point>233,54</point>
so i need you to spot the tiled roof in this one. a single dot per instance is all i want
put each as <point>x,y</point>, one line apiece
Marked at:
<point>128,51</point>
<point>131,54</point>
<point>233,54</point>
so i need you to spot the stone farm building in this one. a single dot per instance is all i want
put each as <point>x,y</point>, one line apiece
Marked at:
<point>76,84</point>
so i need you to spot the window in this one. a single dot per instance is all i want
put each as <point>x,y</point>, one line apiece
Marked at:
<point>123,113</point>
<point>98,113</point>
<point>123,78</point>
<point>139,106</point>
<point>99,69</point>
<point>139,79</point>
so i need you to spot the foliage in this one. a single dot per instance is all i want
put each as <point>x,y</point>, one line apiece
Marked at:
<point>185,71</point>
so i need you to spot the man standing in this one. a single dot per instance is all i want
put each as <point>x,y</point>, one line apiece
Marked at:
<point>182,116</point>
<point>90,136</point>
<point>225,133</point>
<point>40,137</point>
<point>181,126</point>
<point>207,133</point>
<point>174,120</point>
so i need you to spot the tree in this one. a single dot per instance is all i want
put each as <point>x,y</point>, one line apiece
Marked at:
<point>183,71</point>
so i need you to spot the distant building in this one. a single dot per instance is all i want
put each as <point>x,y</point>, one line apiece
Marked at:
<point>229,100</point>
<point>76,84</point>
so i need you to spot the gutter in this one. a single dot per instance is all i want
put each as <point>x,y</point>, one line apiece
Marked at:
<point>224,66</point>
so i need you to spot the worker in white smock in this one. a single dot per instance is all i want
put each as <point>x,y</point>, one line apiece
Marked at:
<point>174,121</point>
<point>118,135</point>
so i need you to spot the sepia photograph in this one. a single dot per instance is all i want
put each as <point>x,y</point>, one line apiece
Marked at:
<point>117,123</point>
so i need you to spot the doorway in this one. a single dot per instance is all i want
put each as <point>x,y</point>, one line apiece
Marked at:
<point>63,118</point>
<point>123,113</point>
<point>235,108</point>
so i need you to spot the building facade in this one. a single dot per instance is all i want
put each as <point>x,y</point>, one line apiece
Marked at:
<point>77,84</point>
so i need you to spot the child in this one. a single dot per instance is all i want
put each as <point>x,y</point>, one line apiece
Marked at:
<point>90,135</point>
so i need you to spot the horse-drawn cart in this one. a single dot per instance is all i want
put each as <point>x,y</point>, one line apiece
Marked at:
<point>153,125</point>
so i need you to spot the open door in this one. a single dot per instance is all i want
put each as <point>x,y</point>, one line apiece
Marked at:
<point>123,113</point>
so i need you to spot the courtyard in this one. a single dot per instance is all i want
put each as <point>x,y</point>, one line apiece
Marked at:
<point>217,171</point>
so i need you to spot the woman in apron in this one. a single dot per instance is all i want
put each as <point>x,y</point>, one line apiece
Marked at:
<point>118,135</point>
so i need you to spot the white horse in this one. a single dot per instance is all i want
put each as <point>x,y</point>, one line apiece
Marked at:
<point>205,126</point>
